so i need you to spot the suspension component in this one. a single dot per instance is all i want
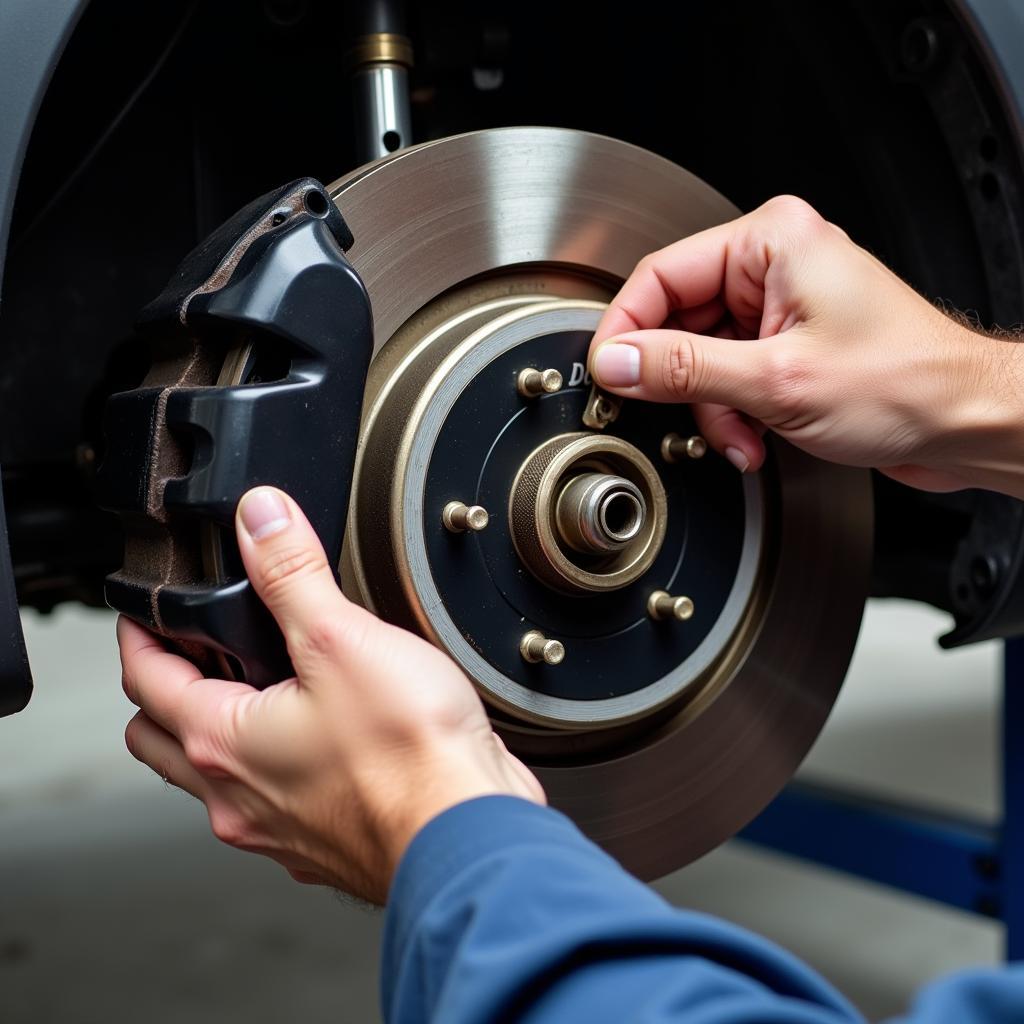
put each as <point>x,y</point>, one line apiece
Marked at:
<point>379,60</point>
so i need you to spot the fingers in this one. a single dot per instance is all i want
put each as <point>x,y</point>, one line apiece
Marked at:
<point>154,679</point>
<point>289,570</point>
<point>719,271</point>
<point>168,688</point>
<point>676,366</point>
<point>158,749</point>
<point>687,274</point>
<point>730,433</point>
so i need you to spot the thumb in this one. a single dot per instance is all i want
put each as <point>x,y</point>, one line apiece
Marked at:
<point>289,570</point>
<point>676,366</point>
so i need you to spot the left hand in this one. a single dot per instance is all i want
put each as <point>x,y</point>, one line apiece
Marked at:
<point>333,772</point>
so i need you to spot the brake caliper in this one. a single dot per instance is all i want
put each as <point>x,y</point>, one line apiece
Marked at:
<point>261,343</point>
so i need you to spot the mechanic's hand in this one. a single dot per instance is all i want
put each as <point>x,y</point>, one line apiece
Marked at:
<point>849,363</point>
<point>333,772</point>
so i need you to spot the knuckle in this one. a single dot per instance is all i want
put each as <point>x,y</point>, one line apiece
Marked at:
<point>787,376</point>
<point>680,368</point>
<point>131,738</point>
<point>790,206</point>
<point>325,634</point>
<point>796,214</point>
<point>646,264</point>
<point>280,568</point>
<point>331,635</point>
<point>206,757</point>
<point>228,827</point>
<point>129,686</point>
<point>838,232</point>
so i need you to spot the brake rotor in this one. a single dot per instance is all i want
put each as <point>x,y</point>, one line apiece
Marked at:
<point>660,640</point>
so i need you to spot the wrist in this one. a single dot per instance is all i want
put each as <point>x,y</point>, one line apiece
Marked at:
<point>984,428</point>
<point>449,776</point>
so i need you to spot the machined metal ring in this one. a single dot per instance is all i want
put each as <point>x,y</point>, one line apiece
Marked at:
<point>390,513</point>
<point>538,493</point>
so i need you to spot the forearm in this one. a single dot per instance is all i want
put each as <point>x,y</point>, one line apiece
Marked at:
<point>503,911</point>
<point>982,437</point>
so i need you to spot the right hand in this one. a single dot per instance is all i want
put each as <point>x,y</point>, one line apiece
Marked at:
<point>778,321</point>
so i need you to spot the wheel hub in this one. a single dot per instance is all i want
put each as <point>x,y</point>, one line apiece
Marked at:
<point>587,513</point>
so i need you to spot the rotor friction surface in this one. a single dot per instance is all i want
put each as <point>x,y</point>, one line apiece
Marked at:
<point>483,210</point>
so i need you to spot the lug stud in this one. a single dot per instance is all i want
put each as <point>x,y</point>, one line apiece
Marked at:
<point>531,383</point>
<point>459,517</point>
<point>535,647</point>
<point>662,605</point>
<point>675,448</point>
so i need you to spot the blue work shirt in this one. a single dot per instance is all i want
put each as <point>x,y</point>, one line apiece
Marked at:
<point>503,911</point>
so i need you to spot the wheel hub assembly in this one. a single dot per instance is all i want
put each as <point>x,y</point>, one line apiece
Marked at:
<point>658,636</point>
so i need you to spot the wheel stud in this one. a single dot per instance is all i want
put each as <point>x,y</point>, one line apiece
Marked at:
<point>675,448</point>
<point>531,383</point>
<point>459,517</point>
<point>535,647</point>
<point>662,605</point>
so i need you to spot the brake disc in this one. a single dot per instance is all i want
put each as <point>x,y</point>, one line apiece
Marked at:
<point>659,637</point>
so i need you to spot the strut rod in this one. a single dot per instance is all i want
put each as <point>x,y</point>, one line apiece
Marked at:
<point>379,59</point>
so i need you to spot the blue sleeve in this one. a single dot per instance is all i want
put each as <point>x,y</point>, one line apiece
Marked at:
<point>504,911</point>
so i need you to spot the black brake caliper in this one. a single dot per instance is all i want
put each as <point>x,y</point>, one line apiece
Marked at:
<point>261,343</point>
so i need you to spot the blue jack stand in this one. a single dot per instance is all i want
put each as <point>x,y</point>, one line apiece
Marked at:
<point>970,865</point>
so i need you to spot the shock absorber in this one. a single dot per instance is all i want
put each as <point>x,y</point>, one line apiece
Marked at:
<point>379,59</point>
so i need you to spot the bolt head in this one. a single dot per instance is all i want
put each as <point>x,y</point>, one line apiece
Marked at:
<point>458,517</point>
<point>662,606</point>
<point>551,381</point>
<point>535,647</point>
<point>553,653</point>
<point>477,518</point>
<point>696,447</point>
<point>674,447</point>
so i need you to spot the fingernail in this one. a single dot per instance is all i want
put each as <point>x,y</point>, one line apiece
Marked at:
<point>738,459</point>
<point>263,513</point>
<point>617,366</point>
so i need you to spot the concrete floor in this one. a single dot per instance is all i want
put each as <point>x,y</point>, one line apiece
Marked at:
<point>116,905</point>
